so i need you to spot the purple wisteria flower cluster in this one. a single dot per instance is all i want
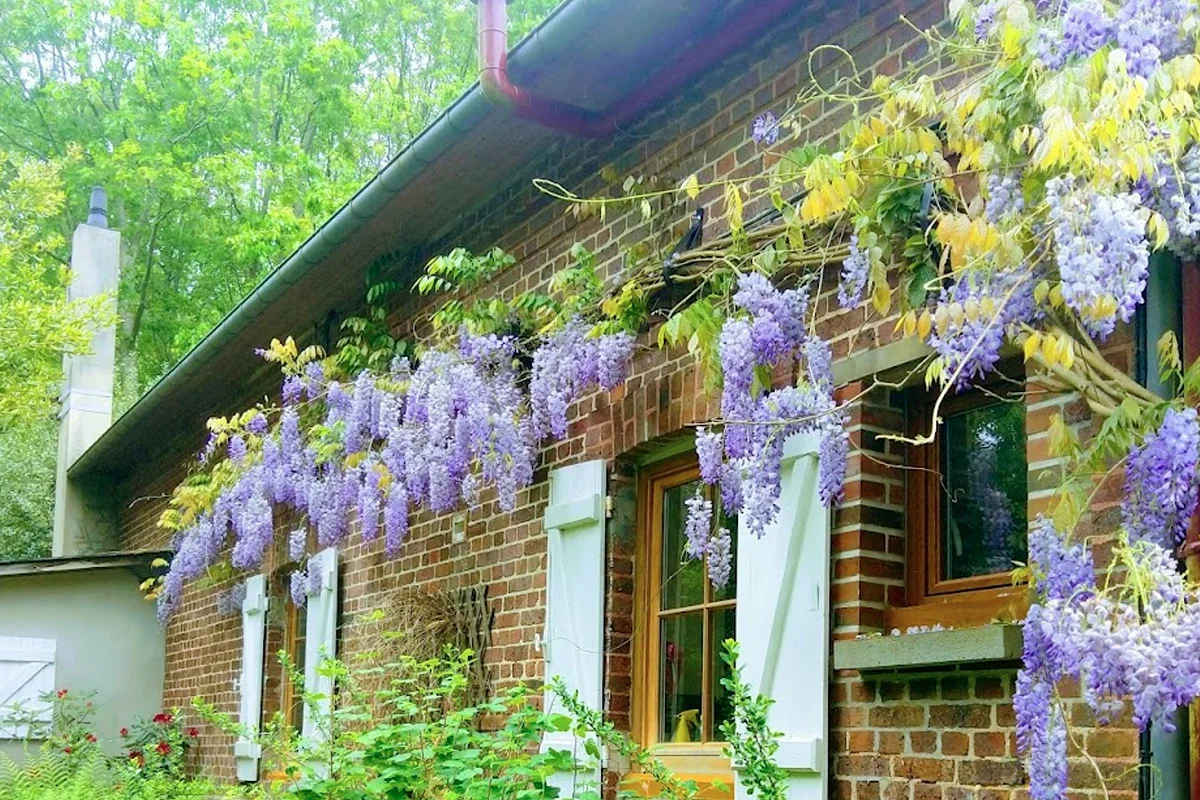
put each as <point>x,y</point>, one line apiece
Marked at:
<point>1174,192</point>
<point>1160,481</point>
<point>766,129</point>
<point>1148,31</point>
<point>1151,32</point>
<point>1005,195</point>
<point>1102,252</point>
<point>389,444</point>
<point>745,459</point>
<point>1086,27</point>
<point>973,315</point>
<point>569,364</point>
<point>1137,640</point>
<point>855,270</point>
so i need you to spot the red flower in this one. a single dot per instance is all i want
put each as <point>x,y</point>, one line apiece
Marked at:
<point>124,732</point>
<point>62,693</point>
<point>67,749</point>
<point>193,732</point>
<point>163,719</point>
<point>91,738</point>
<point>163,748</point>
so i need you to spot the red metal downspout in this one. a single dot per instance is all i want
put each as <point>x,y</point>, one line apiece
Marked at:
<point>751,23</point>
<point>1190,286</point>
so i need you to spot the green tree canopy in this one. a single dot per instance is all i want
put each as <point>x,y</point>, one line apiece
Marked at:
<point>38,325</point>
<point>224,131</point>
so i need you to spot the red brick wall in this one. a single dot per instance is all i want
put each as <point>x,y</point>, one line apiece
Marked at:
<point>908,737</point>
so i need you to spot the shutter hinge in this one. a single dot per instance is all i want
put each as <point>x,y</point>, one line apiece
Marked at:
<point>609,505</point>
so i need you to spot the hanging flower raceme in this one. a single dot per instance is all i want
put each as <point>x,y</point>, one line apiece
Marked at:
<point>1173,190</point>
<point>972,318</point>
<point>569,364</point>
<point>1101,250</point>
<point>1137,641</point>
<point>744,459</point>
<point>388,445</point>
<point>1160,481</point>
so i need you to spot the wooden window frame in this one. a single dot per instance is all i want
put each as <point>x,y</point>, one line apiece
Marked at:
<point>932,600</point>
<point>696,760</point>
<point>294,638</point>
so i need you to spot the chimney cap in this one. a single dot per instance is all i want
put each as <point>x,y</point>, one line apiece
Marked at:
<point>98,208</point>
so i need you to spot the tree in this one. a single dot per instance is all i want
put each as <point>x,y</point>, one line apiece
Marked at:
<point>38,325</point>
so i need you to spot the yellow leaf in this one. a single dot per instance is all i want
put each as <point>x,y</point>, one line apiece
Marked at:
<point>882,298</point>
<point>924,324</point>
<point>1041,291</point>
<point>1056,296</point>
<point>941,319</point>
<point>1066,352</point>
<point>1158,229</point>
<point>691,187</point>
<point>1031,345</point>
<point>1050,350</point>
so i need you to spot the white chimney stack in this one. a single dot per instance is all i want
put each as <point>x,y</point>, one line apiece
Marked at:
<point>87,398</point>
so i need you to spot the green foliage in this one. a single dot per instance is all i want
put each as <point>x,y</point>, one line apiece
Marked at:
<point>52,776</point>
<point>574,291</point>
<point>224,131</point>
<point>27,456</point>
<point>38,325</point>
<point>367,340</point>
<point>70,766</point>
<point>67,728</point>
<point>752,742</point>
<point>158,744</point>
<point>406,730</point>
<point>591,723</point>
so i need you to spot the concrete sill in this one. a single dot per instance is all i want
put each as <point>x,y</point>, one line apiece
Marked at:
<point>937,649</point>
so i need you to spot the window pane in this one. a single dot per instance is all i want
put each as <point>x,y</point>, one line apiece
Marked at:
<point>723,627</point>
<point>682,578</point>
<point>681,677</point>
<point>296,653</point>
<point>729,592</point>
<point>984,505</point>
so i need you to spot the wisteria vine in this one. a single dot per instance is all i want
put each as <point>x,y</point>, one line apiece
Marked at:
<point>384,446</point>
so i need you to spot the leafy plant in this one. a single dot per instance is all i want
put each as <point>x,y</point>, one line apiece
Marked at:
<point>159,744</point>
<point>61,719</point>
<point>753,745</point>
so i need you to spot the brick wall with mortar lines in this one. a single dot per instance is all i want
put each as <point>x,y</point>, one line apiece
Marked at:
<point>705,132</point>
<point>950,735</point>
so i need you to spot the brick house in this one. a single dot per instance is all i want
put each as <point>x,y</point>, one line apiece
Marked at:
<point>917,717</point>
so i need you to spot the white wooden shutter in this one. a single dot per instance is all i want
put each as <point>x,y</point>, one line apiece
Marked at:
<point>573,644</point>
<point>320,643</point>
<point>246,751</point>
<point>783,621</point>
<point>26,674</point>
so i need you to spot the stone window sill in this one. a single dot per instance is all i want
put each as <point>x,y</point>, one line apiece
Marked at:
<point>986,644</point>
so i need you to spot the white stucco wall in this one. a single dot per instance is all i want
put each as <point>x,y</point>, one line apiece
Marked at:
<point>108,639</point>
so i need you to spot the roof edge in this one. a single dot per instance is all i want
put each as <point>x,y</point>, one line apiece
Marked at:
<point>140,559</point>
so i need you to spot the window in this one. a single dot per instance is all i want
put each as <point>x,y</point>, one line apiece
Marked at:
<point>681,622</point>
<point>967,510</point>
<point>286,632</point>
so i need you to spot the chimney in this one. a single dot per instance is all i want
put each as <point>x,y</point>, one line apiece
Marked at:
<point>87,398</point>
